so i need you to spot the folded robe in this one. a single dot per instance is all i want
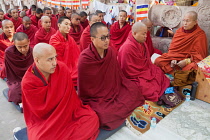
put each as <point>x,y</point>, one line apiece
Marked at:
<point>16,65</point>
<point>76,35</point>
<point>85,40</point>
<point>54,23</point>
<point>16,22</point>
<point>136,64</point>
<point>185,44</point>
<point>52,109</point>
<point>103,86</point>
<point>42,36</point>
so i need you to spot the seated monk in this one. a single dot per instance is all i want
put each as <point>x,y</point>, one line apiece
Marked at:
<point>85,40</point>
<point>150,47</point>
<point>52,109</point>
<point>135,62</point>
<point>5,41</point>
<point>188,46</point>
<point>76,28</point>
<point>29,29</point>
<point>48,12</point>
<point>1,17</point>
<point>18,58</point>
<point>61,12</point>
<point>25,8</point>
<point>68,12</point>
<point>35,18</point>
<point>29,12</point>
<point>102,84</point>
<point>17,21</point>
<point>101,16</point>
<point>44,34</point>
<point>8,14</point>
<point>83,20</point>
<point>22,14</point>
<point>119,31</point>
<point>66,48</point>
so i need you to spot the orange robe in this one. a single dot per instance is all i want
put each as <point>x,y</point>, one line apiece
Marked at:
<point>185,44</point>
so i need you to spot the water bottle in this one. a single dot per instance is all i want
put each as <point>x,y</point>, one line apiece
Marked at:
<point>187,97</point>
<point>153,123</point>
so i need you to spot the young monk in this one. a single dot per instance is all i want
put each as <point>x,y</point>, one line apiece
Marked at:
<point>52,109</point>
<point>17,21</point>
<point>29,12</point>
<point>102,84</point>
<point>119,31</point>
<point>8,14</point>
<point>135,62</point>
<point>29,29</point>
<point>188,46</point>
<point>61,12</point>
<point>35,18</point>
<point>85,39</point>
<point>48,12</point>
<point>68,12</point>
<point>25,8</point>
<point>44,34</point>
<point>1,17</point>
<point>22,14</point>
<point>66,48</point>
<point>76,28</point>
<point>84,21</point>
<point>150,46</point>
<point>18,58</point>
<point>101,16</point>
<point>5,41</point>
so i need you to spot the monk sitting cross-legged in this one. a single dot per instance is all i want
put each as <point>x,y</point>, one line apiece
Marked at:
<point>135,62</point>
<point>52,109</point>
<point>102,84</point>
<point>44,33</point>
<point>188,46</point>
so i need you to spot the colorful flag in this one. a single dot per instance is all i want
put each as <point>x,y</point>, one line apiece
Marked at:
<point>142,11</point>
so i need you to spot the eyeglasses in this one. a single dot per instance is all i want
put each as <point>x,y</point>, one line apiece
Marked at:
<point>103,38</point>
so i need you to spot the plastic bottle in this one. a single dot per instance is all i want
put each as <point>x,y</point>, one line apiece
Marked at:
<point>153,123</point>
<point>187,97</point>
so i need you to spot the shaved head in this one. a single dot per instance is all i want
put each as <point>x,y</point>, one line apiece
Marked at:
<point>26,18</point>
<point>6,21</point>
<point>44,18</point>
<point>74,15</point>
<point>22,14</point>
<point>139,32</point>
<point>148,23</point>
<point>41,49</point>
<point>138,26</point>
<point>193,14</point>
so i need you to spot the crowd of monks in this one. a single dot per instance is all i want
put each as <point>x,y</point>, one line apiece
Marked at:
<point>74,75</point>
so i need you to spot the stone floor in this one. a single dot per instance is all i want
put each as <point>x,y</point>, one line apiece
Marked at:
<point>186,122</point>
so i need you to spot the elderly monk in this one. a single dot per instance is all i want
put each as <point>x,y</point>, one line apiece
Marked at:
<point>29,29</point>
<point>35,18</point>
<point>48,12</point>
<point>52,109</point>
<point>150,47</point>
<point>44,34</point>
<point>68,12</point>
<point>102,84</point>
<point>17,21</point>
<point>135,62</point>
<point>66,48</point>
<point>85,39</point>
<point>18,58</point>
<point>76,28</point>
<point>1,17</point>
<point>119,30</point>
<point>188,46</point>
<point>5,41</point>
<point>83,20</point>
<point>61,12</point>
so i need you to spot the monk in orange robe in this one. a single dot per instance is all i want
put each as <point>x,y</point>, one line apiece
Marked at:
<point>119,31</point>
<point>85,40</point>
<point>29,29</point>
<point>135,62</point>
<point>48,12</point>
<point>52,109</point>
<point>66,48</point>
<point>76,28</point>
<point>188,46</point>
<point>17,21</point>
<point>84,21</point>
<point>5,41</point>
<point>44,34</point>
<point>35,18</point>
<point>61,12</point>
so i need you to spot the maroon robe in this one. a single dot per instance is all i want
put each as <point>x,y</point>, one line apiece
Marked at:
<point>85,40</point>
<point>30,32</point>
<point>58,16</point>
<point>7,16</point>
<point>103,86</point>
<point>85,23</point>
<point>136,64</point>
<point>54,23</point>
<point>76,35</point>
<point>16,65</point>
<point>42,36</point>
<point>34,20</point>
<point>17,22</point>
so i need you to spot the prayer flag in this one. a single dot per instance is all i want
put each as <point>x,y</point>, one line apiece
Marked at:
<point>141,11</point>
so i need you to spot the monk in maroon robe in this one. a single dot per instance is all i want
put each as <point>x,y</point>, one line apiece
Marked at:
<point>136,64</point>
<point>101,16</point>
<point>119,31</point>
<point>48,12</point>
<point>61,12</point>
<point>66,48</point>
<point>85,40</point>
<point>8,14</point>
<point>1,17</point>
<point>150,46</point>
<point>102,84</point>
<point>44,34</point>
<point>83,20</point>
<point>68,12</point>
<point>5,41</point>
<point>52,109</point>
<point>35,18</point>
<point>29,12</point>
<point>17,21</point>
<point>18,58</point>
<point>28,29</point>
<point>76,28</point>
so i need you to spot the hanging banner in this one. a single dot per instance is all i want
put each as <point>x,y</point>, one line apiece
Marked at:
<point>142,11</point>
